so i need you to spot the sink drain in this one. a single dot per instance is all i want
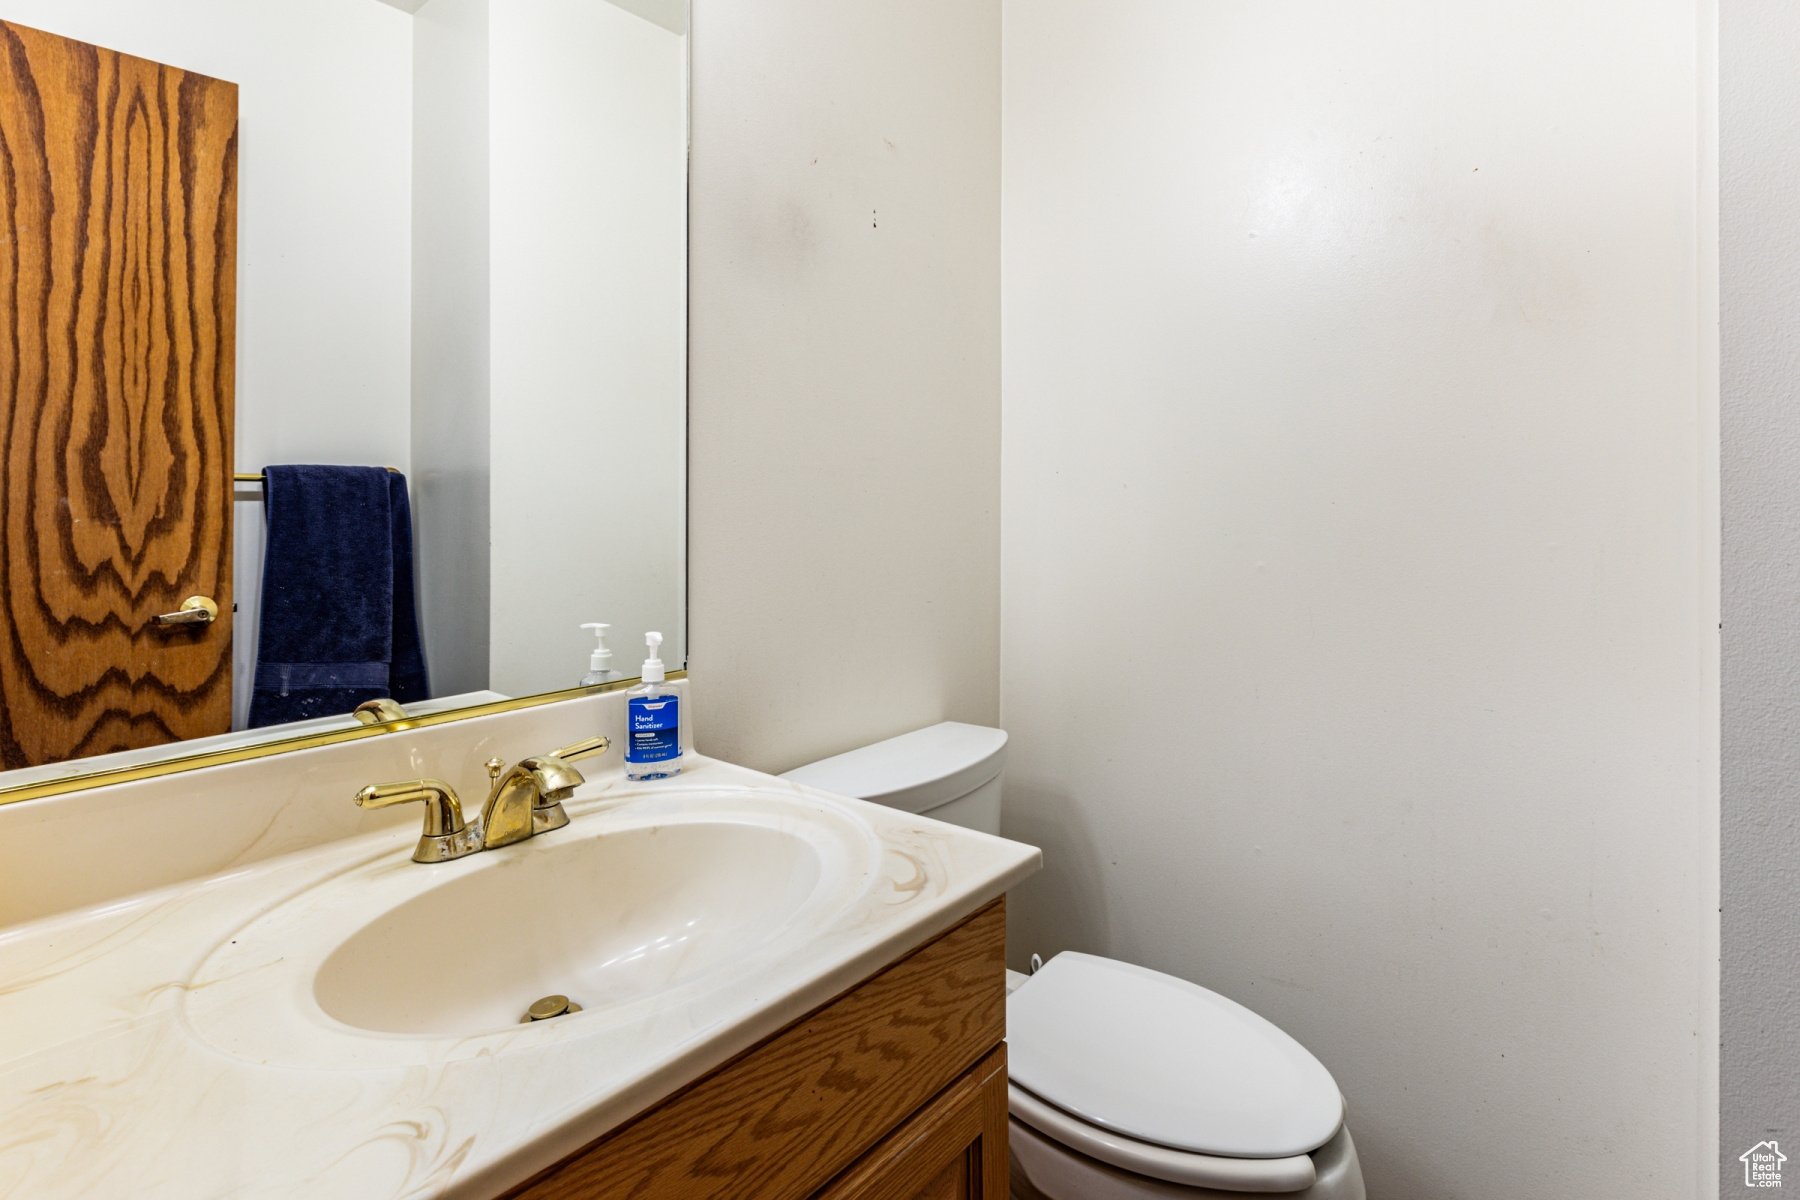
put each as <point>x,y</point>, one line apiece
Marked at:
<point>549,1006</point>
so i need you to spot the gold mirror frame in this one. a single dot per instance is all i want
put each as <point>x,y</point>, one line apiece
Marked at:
<point>305,741</point>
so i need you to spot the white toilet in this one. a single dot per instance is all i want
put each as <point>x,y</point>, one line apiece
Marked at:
<point>1125,1083</point>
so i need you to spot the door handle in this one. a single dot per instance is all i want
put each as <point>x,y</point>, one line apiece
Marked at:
<point>195,610</point>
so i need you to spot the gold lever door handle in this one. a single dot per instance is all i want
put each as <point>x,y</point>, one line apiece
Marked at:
<point>195,610</point>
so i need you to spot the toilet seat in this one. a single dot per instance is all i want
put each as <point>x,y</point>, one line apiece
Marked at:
<point>1290,1174</point>
<point>1122,1052</point>
<point>1045,1169</point>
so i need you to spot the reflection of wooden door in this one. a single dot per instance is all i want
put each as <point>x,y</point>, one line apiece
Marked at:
<point>118,293</point>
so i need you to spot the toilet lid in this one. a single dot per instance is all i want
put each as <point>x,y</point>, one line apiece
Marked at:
<point>1163,1060</point>
<point>916,771</point>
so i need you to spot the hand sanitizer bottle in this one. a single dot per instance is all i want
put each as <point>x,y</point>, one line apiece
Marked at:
<point>652,722</point>
<point>600,661</point>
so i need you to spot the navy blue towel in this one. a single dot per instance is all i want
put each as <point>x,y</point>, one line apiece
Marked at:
<point>339,624</point>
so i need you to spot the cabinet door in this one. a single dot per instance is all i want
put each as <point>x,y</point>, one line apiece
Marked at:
<point>952,1149</point>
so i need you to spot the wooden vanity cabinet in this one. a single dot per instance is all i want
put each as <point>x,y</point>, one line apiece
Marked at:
<point>895,1090</point>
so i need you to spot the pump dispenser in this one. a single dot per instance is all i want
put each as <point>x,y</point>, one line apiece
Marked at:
<point>600,661</point>
<point>653,721</point>
<point>653,666</point>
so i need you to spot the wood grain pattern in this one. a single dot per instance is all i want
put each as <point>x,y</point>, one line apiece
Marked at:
<point>952,1149</point>
<point>951,1183</point>
<point>782,1119</point>
<point>118,296</point>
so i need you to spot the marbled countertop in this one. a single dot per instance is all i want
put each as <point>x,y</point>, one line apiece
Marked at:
<point>145,1053</point>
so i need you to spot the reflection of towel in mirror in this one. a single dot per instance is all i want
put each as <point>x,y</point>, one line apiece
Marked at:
<point>339,624</point>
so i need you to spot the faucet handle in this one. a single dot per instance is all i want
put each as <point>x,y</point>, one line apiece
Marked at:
<point>586,748</point>
<point>554,776</point>
<point>380,711</point>
<point>446,836</point>
<point>556,780</point>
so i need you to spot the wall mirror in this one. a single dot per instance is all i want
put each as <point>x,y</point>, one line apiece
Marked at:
<point>323,313</point>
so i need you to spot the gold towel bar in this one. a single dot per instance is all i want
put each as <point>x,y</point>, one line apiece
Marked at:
<point>242,477</point>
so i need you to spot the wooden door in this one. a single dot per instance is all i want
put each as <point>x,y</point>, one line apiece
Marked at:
<point>118,295</point>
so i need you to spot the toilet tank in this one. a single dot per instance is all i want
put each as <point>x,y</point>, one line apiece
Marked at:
<point>948,772</point>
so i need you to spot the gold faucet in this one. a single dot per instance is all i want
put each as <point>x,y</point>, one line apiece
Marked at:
<point>527,800</point>
<point>524,801</point>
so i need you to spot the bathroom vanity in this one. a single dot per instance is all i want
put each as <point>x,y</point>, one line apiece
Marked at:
<point>234,981</point>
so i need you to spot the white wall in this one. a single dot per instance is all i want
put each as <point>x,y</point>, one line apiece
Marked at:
<point>1358,606</point>
<point>589,337</point>
<point>324,117</point>
<point>1759,42</point>
<point>450,339</point>
<point>844,397</point>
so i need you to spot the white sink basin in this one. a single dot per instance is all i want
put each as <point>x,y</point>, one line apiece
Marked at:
<point>602,920</point>
<point>637,907</point>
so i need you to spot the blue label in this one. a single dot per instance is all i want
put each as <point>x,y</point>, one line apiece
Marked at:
<point>654,729</point>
